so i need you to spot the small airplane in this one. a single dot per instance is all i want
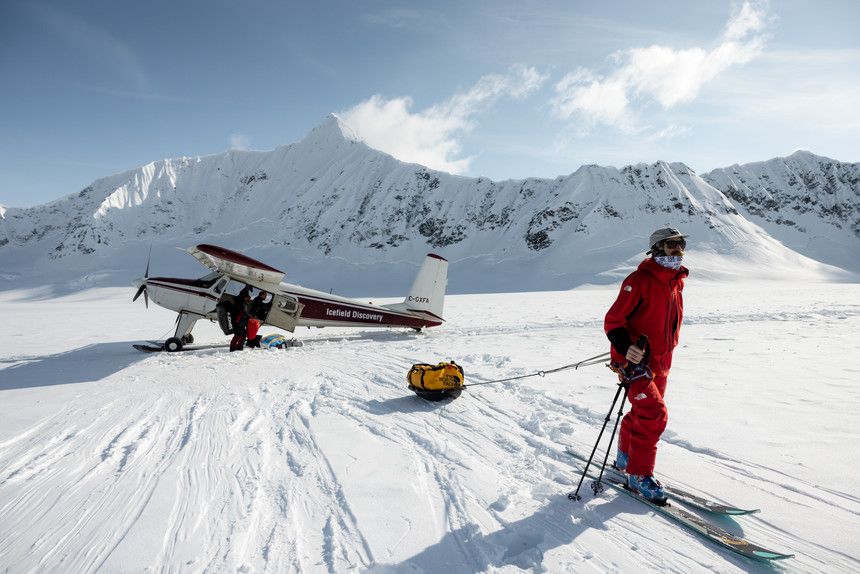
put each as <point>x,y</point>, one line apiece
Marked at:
<point>291,305</point>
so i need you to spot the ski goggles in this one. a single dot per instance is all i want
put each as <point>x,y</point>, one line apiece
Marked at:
<point>675,243</point>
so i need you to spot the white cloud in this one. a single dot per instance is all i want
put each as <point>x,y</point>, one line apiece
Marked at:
<point>748,20</point>
<point>239,142</point>
<point>605,101</point>
<point>431,137</point>
<point>657,74</point>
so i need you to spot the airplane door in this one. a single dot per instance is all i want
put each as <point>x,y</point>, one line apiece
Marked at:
<point>285,312</point>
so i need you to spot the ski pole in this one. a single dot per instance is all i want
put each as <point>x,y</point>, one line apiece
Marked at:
<point>596,486</point>
<point>642,343</point>
<point>575,495</point>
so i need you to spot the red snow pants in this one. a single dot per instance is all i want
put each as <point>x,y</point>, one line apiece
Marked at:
<point>253,327</point>
<point>642,426</point>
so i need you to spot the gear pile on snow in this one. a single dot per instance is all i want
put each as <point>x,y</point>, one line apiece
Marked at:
<point>436,382</point>
<point>278,341</point>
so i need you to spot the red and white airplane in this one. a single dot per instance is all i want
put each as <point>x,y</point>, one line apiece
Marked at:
<point>292,305</point>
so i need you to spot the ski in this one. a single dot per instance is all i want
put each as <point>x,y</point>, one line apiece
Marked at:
<point>148,348</point>
<point>676,493</point>
<point>699,525</point>
<point>696,523</point>
<point>160,349</point>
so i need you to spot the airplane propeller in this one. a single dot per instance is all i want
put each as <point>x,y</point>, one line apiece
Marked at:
<point>142,288</point>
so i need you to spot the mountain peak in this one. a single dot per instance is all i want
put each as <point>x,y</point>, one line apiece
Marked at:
<point>332,131</point>
<point>803,155</point>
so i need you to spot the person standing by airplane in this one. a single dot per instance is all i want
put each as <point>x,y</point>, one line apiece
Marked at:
<point>650,304</point>
<point>241,314</point>
<point>258,311</point>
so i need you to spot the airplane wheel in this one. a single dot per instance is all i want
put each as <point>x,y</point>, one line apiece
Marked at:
<point>172,345</point>
<point>187,339</point>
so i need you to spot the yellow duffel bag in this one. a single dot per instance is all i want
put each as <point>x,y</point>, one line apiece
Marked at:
<point>436,382</point>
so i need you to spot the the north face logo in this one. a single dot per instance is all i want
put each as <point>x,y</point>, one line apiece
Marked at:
<point>640,396</point>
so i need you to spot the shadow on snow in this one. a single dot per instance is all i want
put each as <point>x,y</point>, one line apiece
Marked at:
<point>524,543</point>
<point>83,365</point>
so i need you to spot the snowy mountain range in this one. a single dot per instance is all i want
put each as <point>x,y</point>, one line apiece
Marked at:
<point>332,211</point>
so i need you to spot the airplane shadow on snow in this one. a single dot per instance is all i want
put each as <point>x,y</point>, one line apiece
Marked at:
<point>83,365</point>
<point>95,362</point>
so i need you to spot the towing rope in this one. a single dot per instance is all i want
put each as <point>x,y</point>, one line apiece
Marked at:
<point>584,363</point>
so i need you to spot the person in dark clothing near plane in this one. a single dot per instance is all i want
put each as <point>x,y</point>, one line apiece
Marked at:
<point>650,304</point>
<point>241,314</point>
<point>258,311</point>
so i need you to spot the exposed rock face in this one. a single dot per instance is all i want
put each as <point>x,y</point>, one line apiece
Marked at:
<point>810,203</point>
<point>332,196</point>
<point>799,185</point>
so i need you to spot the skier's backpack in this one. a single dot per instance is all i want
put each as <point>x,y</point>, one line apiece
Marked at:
<point>225,317</point>
<point>436,382</point>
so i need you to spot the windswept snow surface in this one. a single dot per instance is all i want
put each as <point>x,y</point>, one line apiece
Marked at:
<point>318,459</point>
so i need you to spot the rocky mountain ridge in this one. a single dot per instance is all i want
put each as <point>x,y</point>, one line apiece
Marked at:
<point>811,203</point>
<point>330,196</point>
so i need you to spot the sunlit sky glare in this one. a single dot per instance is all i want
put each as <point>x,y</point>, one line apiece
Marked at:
<point>495,88</point>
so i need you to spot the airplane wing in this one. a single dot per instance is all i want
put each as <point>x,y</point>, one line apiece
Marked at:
<point>237,266</point>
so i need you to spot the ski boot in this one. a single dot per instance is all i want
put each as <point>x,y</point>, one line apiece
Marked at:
<point>649,488</point>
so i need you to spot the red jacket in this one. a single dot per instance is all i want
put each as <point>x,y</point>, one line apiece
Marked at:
<point>650,303</point>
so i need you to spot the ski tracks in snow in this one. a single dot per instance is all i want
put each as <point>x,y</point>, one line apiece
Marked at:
<point>320,459</point>
<point>226,466</point>
<point>84,476</point>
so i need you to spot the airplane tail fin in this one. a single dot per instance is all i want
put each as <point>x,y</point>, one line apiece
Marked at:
<point>427,294</point>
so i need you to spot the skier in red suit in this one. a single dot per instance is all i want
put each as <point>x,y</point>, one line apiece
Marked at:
<point>650,304</point>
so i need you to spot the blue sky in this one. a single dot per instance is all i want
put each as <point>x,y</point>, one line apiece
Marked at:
<point>502,89</point>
